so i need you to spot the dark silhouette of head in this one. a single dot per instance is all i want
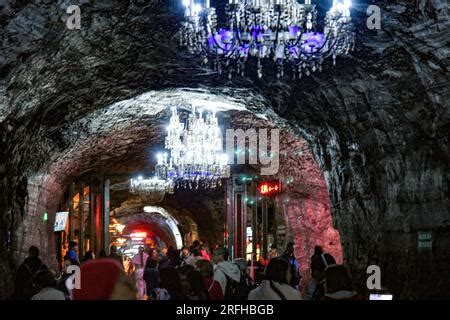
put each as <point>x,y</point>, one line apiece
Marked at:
<point>196,252</point>
<point>338,278</point>
<point>220,254</point>
<point>196,286</point>
<point>170,280</point>
<point>205,267</point>
<point>290,248</point>
<point>45,279</point>
<point>72,245</point>
<point>318,250</point>
<point>151,263</point>
<point>277,270</point>
<point>89,255</point>
<point>33,252</point>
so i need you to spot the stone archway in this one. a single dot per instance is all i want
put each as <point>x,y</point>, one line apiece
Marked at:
<point>158,220</point>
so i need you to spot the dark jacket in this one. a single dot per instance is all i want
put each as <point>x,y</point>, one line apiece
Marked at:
<point>295,269</point>
<point>151,280</point>
<point>117,257</point>
<point>25,282</point>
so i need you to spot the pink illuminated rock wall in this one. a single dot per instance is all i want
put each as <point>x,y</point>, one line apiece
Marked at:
<point>305,203</point>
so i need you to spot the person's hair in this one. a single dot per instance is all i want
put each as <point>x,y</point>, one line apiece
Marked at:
<point>45,279</point>
<point>102,254</point>
<point>318,250</point>
<point>205,267</point>
<point>196,253</point>
<point>337,278</point>
<point>113,249</point>
<point>196,285</point>
<point>186,268</point>
<point>169,279</point>
<point>277,270</point>
<point>273,246</point>
<point>221,251</point>
<point>33,252</point>
<point>290,246</point>
<point>151,263</point>
<point>185,248</point>
<point>89,255</point>
<point>318,265</point>
<point>196,243</point>
<point>72,244</point>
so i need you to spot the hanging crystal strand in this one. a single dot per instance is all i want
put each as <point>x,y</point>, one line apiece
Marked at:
<point>260,72</point>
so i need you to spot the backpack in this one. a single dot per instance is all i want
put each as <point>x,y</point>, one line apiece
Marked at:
<point>31,286</point>
<point>236,290</point>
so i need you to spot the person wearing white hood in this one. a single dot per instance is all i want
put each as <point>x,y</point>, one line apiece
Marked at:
<point>224,269</point>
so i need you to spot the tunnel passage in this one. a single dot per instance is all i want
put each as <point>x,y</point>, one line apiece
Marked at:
<point>126,149</point>
<point>376,124</point>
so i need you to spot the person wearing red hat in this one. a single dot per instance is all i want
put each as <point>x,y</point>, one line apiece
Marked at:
<point>104,279</point>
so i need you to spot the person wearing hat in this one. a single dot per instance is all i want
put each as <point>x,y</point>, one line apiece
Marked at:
<point>104,279</point>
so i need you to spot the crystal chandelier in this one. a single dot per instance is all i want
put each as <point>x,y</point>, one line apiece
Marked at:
<point>151,186</point>
<point>283,30</point>
<point>196,157</point>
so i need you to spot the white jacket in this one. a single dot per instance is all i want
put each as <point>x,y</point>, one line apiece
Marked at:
<point>226,268</point>
<point>265,292</point>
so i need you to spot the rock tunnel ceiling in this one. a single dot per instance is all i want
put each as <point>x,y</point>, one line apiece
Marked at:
<point>374,129</point>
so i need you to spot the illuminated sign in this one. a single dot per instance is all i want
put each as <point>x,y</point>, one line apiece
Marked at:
<point>60,221</point>
<point>425,240</point>
<point>269,188</point>
<point>139,235</point>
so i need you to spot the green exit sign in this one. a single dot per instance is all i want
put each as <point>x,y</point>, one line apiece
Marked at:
<point>424,240</point>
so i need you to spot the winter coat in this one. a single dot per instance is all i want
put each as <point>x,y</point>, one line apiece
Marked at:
<point>224,269</point>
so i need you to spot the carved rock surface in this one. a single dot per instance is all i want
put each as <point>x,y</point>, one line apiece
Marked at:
<point>377,123</point>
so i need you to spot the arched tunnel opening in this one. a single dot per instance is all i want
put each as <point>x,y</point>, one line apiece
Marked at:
<point>363,145</point>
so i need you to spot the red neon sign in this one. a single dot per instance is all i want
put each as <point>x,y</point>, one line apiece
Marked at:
<point>139,235</point>
<point>269,188</point>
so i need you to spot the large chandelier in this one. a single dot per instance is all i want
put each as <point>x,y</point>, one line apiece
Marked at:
<point>150,186</point>
<point>283,30</point>
<point>196,151</point>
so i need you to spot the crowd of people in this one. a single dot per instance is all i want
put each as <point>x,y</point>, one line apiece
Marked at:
<point>192,273</point>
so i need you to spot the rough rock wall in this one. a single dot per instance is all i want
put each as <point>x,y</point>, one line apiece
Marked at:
<point>379,128</point>
<point>378,123</point>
